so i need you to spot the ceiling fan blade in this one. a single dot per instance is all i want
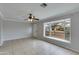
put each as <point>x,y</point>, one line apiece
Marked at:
<point>36,19</point>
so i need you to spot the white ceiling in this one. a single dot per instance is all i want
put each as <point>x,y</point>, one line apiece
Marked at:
<point>20,11</point>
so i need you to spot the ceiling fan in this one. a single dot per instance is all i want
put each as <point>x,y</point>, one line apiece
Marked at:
<point>32,18</point>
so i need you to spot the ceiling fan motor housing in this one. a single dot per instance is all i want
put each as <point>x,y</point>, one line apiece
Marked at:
<point>30,16</point>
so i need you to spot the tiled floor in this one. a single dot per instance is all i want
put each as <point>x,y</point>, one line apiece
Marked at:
<point>32,47</point>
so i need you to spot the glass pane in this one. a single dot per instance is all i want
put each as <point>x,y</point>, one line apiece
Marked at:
<point>52,30</point>
<point>57,30</point>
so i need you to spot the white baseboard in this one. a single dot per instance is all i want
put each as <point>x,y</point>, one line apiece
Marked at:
<point>14,38</point>
<point>17,38</point>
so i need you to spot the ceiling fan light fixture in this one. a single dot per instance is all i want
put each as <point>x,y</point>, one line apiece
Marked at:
<point>32,19</point>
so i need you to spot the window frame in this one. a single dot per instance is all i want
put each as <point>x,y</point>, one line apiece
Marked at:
<point>55,38</point>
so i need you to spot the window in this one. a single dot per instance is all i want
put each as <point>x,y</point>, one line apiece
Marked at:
<point>59,30</point>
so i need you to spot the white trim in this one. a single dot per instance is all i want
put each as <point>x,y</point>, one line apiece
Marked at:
<point>16,38</point>
<point>54,38</point>
<point>57,21</point>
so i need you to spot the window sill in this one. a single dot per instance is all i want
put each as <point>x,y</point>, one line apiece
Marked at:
<point>66,41</point>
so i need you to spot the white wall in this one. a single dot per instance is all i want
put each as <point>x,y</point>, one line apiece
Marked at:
<point>15,30</point>
<point>74,45</point>
<point>34,30</point>
<point>0,30</point>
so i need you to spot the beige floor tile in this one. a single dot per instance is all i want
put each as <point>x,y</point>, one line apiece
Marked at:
<point>32,47</point>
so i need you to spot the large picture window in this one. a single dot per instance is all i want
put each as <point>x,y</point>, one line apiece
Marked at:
<point>59,30</point>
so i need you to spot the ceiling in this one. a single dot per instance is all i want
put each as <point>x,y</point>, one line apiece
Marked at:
<point>20,11</point>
